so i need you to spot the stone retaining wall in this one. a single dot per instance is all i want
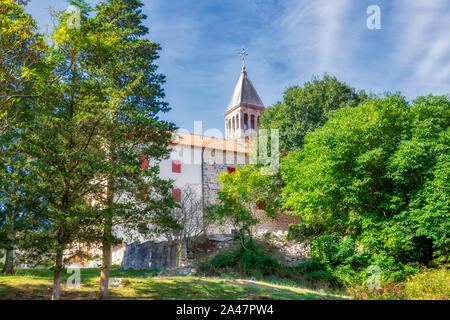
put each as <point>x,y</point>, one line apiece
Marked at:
<point>148,255</point>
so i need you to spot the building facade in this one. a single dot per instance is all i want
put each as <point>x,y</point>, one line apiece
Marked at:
<point>194,166</point>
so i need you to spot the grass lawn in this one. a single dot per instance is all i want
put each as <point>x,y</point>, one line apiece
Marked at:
<point>144,285</point>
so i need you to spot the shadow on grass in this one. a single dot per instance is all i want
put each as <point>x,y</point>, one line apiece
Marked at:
<point>189,288</point>
<point>88,275</point>
<point>37,285</point>
<point>40,291</point>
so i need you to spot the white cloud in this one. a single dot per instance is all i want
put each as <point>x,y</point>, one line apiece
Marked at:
<point>423,42</point>
<point>317,30</point>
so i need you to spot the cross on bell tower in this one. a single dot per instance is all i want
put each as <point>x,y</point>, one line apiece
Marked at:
<point>243,115</point>
<point>243,53</point>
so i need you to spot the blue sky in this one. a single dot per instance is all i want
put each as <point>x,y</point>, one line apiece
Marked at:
<point>288,42</point>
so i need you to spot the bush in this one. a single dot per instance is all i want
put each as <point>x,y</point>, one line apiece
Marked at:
<point>428,284</point>
<point>371,187</point>
<point>250,262</point>
<point>316,272</point>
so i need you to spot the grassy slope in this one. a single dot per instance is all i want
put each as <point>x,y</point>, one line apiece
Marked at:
<point>37,284</point>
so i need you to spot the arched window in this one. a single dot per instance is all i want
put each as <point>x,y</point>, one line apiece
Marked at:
<point>252,121</point>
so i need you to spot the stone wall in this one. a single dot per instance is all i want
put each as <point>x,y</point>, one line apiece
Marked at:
<point>211,185</point>
<point>148,255</point>
<point>279,224</point>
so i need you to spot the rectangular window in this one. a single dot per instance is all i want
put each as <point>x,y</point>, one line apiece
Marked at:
<point>143,192</point>
<point>144,163</point>
<point>176,166</point>
<point>176,195</point>
<point>231,170</point>
<point>261,205</point>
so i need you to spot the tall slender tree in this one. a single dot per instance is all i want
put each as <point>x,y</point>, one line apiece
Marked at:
<point>21,50</point>
<point>96,134</point>
<point>63,139</point>
<point>135,137</point>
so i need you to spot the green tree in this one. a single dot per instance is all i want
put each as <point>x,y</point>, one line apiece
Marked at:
<point>303,110</point>
<point>17,202</point>
<point>377,173</point>
<point>63,140</point>
<point>21,49</point>
<point>92,127</point>
<point>241,193</point>
<point>133,133</point>
<point>306,108</point>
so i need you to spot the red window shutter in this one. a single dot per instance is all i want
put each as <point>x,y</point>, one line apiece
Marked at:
<point>231,170</point>
<point>176,195</point>
<point>90,203</point>
<point>261,205</point>
<point>144,163</point>
<point>143,192</point>
<point>176,166</point>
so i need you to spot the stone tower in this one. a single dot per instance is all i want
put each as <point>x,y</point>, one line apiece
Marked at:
<point>244,111</point>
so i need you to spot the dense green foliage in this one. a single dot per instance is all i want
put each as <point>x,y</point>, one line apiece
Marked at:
<point>303,109</point>
<point>368,178</point>
<point>306,108</point>
<point>250,261</point>
<point>77,130</point>
<point>372,187</point>
<point>21,51</point>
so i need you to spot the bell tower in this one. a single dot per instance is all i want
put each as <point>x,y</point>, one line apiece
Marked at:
<point>242,117</point>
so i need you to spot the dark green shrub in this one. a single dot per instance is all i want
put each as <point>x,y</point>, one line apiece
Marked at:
<point>251,262</point>
<point>371,188</point>
<point>223,261</point>
<point>309,266</point>
<point>316,272</point>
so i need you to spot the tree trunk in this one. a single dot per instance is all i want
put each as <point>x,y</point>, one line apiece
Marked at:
<point>9,257</point>
<point>107,233</point>
<point>106,247</point>
<point>106,262</point>
<point>57,275</point>
<point>9,261</point>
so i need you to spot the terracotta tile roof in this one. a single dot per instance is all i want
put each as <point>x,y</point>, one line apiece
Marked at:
<point>196,140</point>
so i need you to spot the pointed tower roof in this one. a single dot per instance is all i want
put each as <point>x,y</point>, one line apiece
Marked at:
<point>245,93</point>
